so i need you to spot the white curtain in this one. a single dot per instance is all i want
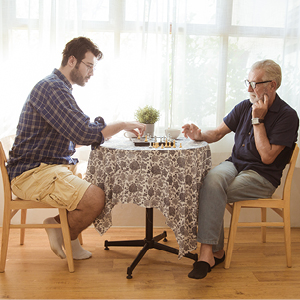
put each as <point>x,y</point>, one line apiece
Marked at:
<point>216,42</point>
<point>187,58</point>
<point>133,36</point>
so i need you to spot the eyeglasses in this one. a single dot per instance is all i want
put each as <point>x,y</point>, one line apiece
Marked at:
<point>253,84</point>
<point>89,67</point>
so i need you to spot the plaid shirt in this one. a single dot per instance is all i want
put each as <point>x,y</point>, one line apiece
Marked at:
<point>50,125</point>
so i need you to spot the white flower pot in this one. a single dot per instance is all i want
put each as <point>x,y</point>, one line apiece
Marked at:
<point>149,129</point>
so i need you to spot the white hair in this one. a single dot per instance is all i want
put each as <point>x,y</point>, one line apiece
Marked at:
<point>272,70</point>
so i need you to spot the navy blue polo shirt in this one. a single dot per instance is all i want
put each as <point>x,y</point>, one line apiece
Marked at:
<point>281,123</point>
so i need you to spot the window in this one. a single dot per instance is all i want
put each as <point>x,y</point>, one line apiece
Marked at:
<point>186,58</point>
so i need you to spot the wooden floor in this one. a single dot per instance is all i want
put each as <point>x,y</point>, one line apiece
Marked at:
<point>258,271</point>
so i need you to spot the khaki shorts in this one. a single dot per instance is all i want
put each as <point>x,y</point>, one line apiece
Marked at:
<point>52,184</point>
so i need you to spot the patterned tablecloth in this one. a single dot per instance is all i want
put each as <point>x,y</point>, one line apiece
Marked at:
<point>168,179</point>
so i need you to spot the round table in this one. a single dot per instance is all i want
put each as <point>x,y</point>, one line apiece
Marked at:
<point>168,179</point>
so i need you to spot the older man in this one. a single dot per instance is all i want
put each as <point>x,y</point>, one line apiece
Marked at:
<point>265,130</point>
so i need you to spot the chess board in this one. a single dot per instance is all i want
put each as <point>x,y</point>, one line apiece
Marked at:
<point>141,142</point>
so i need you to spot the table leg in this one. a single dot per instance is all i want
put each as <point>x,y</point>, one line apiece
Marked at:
<point>149,242</point>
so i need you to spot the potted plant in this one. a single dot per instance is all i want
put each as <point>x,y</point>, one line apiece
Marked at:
<point>147,115</point>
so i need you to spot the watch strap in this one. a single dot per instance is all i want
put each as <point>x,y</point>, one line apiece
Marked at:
<point>256,121</point>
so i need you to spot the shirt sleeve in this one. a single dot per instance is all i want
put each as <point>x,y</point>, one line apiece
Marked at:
<point>57,106</point>
<point>284,132</point>
<point>240,113</point>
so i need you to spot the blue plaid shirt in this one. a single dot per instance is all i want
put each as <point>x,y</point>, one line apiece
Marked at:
<point>50,126</point>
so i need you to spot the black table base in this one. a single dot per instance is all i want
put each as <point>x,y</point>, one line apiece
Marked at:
<point>149,242</point>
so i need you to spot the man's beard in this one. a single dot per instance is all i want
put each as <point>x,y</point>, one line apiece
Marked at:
<point>257,99</point>
<point>76,77</point>
<point>253,100</point>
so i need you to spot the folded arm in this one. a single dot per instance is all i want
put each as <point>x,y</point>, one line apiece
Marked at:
<point>268,152</point>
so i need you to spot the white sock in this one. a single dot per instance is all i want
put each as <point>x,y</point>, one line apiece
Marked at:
<point>78,251</point>
<point>55,238</point>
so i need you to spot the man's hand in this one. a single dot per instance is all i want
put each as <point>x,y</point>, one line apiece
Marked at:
<point>111,129</point>
<point>191,131</point>
<point>260,108</point>
<point>131,126</point>
<point>209,136</point>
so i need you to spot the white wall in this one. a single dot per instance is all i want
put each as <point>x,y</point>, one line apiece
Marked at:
<point>132,215</point>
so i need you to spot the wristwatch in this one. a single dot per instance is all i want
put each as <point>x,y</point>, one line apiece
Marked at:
<point>256,121</point>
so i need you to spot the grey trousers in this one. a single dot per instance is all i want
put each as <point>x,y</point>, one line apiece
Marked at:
<point>222,185</point>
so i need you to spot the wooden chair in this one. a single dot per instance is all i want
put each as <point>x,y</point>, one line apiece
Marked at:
<point>7,143</point>
<point>11,207</point>
<point>279,204</point>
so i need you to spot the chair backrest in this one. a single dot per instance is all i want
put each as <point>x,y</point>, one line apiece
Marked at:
<point>7,143</point>
<point>289,176</point>
<point>5,178</point>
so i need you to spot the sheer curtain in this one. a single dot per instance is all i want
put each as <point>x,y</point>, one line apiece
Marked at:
<point>186,58</point>
<point>133,35</point>
<point>216,42</point>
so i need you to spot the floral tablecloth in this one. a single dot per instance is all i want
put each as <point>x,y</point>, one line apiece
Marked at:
<point>168,179</point>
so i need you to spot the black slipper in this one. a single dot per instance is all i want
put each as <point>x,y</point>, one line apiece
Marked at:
<point>218,260</point>
<point>200,270</point>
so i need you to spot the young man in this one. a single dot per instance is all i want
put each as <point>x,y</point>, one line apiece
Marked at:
<point>266,130</point>
<point>51,124</point>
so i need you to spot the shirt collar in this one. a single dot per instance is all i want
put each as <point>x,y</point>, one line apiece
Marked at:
<point>63,78</point>
<point>276,104</point>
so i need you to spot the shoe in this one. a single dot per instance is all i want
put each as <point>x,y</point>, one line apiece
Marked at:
<point>200,270</point>
<point>218,260</point>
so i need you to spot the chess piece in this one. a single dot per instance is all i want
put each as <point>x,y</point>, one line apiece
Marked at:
<point>146,140</point>
<point>162,146</point>
<point>139,137</point>
<point>180,146</point>
<point>174,144</point>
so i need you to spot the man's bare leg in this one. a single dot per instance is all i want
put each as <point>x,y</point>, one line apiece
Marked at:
<point>88,208</point>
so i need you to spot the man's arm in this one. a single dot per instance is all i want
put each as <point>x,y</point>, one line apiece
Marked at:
<point>268,152</point>
<point>209,136</point>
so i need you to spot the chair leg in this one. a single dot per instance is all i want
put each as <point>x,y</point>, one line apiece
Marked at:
<point>5,238</point>
<point>263,228</point>
<point>232,233</point>
<point>67,239</point>
<point>23,221</point>
<point>80,238</point>
<point>287,237</point>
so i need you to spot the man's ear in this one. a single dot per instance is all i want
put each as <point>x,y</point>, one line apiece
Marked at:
<point>274,85</point>
<point>72,61</point>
